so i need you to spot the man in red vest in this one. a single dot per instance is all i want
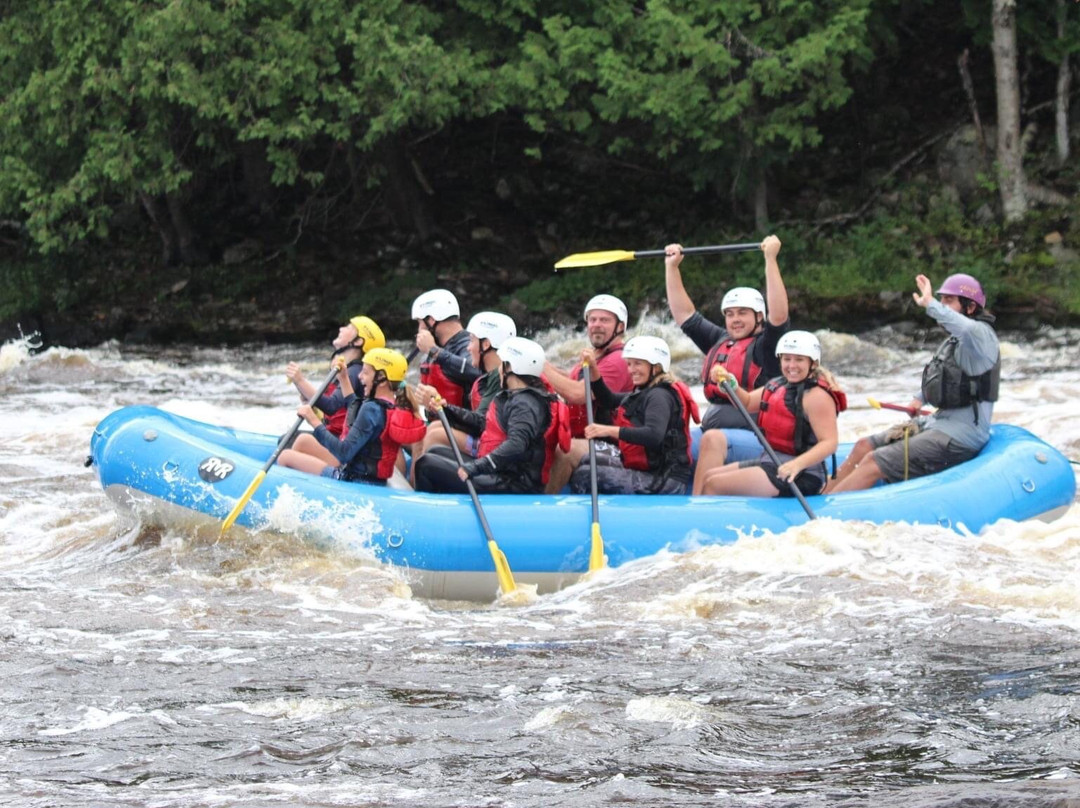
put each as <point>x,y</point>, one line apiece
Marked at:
<point>605,324</point>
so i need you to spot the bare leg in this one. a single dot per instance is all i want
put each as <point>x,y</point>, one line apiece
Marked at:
<point>748,482</point>
<point>306,444</point>
<point>712,451</point>
<point>861,449</point>
<point>865,475</point>
<point>293,459</point>
<point>564,465</point>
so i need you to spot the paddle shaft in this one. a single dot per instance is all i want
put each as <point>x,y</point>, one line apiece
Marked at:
<point>729,383</point>
<point>592,446</point>
<point>258,478</point>
<point>468,483</point>
<point>287,438</point>
<point>901,408</point>
<point>597,559</point>
<point>715,248</point>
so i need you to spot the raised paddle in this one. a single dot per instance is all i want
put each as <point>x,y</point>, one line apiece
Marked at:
<point>597,559</point>
<point>729,383</point>
<point>255,483</point>
<point>502,567</point>
<point>595,259</point>
<point>884,405</point>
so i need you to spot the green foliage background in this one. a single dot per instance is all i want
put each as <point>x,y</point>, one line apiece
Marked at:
<point>367,150</point>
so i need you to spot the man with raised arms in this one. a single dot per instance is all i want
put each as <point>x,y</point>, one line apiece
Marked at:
<point>745,345</point>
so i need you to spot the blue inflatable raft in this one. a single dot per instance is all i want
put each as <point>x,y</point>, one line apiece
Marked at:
<point>173,470</point>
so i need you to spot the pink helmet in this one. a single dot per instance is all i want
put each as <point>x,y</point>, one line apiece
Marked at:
<point>962,285</point>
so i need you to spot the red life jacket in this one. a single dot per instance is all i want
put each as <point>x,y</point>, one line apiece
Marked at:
<point>676,441</point>
<point>578,416</point>
<point>474,395</point>
<point>737,356</point>
<point>336,421</point>
<point>782,418</point>
<point>402,428</point>
<point>451,391</point>
<point>557,433</point>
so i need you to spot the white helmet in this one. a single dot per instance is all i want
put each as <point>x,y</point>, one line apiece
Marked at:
<point>743,297</point>
<point>525,357</point>
<point>438,303</point>
<point>607,303</point>
<point>800,343</point>
<point>652,349</point>
<point>496,328</point>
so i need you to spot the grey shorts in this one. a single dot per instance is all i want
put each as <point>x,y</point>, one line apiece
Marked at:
<point>928,452</point>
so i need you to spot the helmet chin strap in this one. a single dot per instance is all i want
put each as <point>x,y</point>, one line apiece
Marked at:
<point>379,378</point>
<point>351,345</point>
<point>431,328</point>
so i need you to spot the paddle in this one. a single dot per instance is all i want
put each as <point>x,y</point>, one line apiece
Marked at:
<point>502,568</point>
<point>729,382</point>
<point>884,405</point>
<point>595,259</point>
<point>597,559</point>
<point>255,483</point>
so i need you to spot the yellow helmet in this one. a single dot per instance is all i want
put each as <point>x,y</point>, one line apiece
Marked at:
<point>389,361</point>
<point>369,331</point>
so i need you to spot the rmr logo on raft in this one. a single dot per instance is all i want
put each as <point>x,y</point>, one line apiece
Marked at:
<point>215,469</point>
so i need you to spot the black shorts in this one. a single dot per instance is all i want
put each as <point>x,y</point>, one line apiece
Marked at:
<point>809,481</point>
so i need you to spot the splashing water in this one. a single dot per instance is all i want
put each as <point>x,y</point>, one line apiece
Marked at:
<point>837,662</point>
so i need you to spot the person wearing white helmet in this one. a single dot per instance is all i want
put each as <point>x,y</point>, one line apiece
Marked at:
<point>961,380</point>
<point>646,447</point>
<point>487,330</point>
<point>447,365</point>
<point>797,414</point>
<point>385,421</point>
<point>358,335</point>
<point>745,345</point>
<point>605,323</point>
<point>518,435</point>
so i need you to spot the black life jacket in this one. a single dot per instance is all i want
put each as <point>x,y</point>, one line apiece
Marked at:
<point>556,433</point>
<point>674,454</point>
<point>947,387</point>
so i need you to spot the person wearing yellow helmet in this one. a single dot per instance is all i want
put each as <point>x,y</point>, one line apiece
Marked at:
<point>386,420</point>
<point>360,334</point>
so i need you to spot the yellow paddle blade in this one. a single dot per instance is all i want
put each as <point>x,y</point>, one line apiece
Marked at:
<point>873,402</point>
<point>251,489</point>
<point>597,559</point>
<point>594,259</point>
<point>502,568</point>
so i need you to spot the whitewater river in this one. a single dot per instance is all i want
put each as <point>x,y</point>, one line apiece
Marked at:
<point>837,663</point>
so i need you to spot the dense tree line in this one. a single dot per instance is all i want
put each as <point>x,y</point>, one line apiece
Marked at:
<point>299,115</point>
